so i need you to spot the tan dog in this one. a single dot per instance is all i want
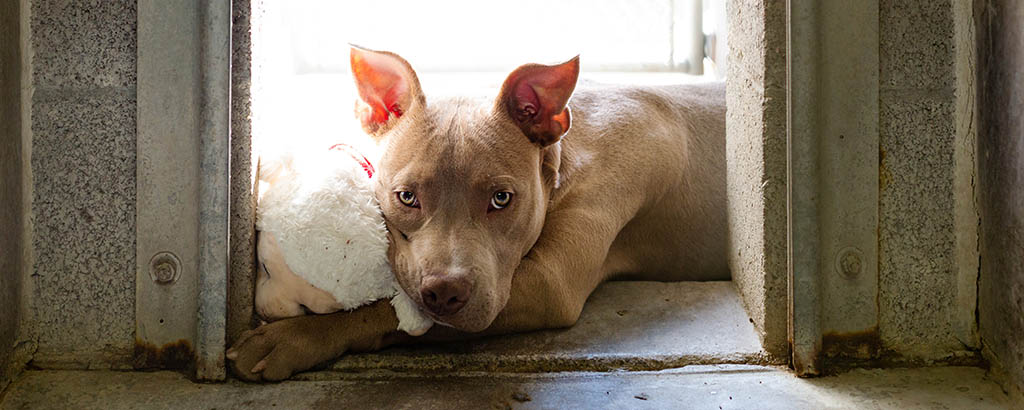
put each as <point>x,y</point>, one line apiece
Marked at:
<point>505,214</point>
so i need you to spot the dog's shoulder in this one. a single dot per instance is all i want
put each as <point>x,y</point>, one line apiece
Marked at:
<point>648,111</point>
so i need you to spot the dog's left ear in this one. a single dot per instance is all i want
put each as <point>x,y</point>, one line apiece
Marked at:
<point>535,98</point>
<point>388,88</point>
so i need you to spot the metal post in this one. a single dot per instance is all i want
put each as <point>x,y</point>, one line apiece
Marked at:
<point>214,183</point>
<point>833,172</point>
<point>167,214</point>
<point>802,186</point>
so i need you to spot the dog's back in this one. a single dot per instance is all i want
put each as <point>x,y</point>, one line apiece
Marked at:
<point>666,143</point>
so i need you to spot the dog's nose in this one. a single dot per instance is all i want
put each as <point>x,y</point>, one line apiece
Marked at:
<point>444,295</point>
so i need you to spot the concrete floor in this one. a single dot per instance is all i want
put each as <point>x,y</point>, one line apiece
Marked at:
<point>698,386</point>
<point>637,345</point>
<point>624,326</point>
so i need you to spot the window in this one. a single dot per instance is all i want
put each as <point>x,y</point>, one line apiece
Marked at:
<point>466,35</point>
<point>300,49</point>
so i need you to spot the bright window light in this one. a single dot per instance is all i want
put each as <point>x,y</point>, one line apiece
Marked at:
<point>300,49</point>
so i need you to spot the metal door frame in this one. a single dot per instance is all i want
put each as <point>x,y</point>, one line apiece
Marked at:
<point>183,97</point>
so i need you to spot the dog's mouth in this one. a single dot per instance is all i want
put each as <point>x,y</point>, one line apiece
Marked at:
<point>471,318</point>
<point>444,320</point>
<point>437,320</point>
<point>474,287</point>
<point>413,291</point>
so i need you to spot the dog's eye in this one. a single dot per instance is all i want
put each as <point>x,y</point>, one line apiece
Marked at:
<point>500,199</point>
<point>408,199</point>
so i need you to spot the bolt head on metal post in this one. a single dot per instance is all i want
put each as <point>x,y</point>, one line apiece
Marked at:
<point>849,262</point>
<point>164,268</point>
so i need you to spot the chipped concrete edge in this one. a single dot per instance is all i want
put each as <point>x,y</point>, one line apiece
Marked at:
<point>26,338</point>
<point>1002,377</point>
<point>966,212</point>
<point>241,280</point>
<point>414,363</point>
<point>11,80</point>
<point>756,123</point>
<point>392,374</point>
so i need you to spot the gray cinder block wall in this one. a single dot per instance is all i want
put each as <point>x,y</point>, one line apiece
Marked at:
<point>11,162</point>
<point>81,284</point>
<point>1001,178</point>
<point>756,148</point>
<point>926,275</point>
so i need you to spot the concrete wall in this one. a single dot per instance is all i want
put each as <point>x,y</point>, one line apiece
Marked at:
<point>927,236</point>
<point>927,260</point>
<point>11,223</point>
<point>81,288</point>
<point>756,149</point>
<point>1001,172</point>
<point>80,291</point>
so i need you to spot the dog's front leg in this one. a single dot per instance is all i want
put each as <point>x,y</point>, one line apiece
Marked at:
<point>564,267</point>
<point>276,350</point>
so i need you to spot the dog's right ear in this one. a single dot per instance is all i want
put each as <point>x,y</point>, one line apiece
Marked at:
<point>536,98</point>
<point>388,88</point>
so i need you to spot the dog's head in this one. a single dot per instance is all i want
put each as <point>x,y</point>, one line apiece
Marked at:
<point>463,183</point>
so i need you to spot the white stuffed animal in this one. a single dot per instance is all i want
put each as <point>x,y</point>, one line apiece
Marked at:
<point>322,240</point>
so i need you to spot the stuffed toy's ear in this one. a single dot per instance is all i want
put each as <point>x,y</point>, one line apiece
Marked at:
<point>269,169</point>
<point>388,88</point>
<point>536,97</point>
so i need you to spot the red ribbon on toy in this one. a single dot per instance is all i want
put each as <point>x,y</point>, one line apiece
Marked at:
<point>363,162</point>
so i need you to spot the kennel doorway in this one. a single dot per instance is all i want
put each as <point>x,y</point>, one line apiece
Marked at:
<point>799,299</point>
<point>678,53</point>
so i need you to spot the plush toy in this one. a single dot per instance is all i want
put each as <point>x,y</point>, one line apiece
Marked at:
<point>322,240</point>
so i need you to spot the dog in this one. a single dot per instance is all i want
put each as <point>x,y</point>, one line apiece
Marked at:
<point>505,213</point>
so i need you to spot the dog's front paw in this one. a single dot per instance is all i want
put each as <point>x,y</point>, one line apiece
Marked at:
<point>277,350</point>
